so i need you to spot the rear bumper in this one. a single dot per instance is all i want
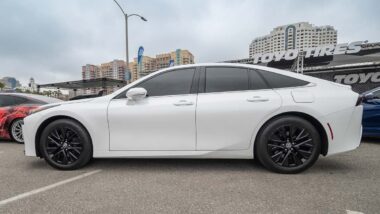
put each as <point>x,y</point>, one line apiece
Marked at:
<point>347,129</point>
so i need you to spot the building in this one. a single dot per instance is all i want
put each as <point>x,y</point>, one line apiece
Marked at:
<point>10,82</point>
<point>32,86</point>
<point>90,72</point>
<point>147,66</point>
<point>151,64</point>
<point>116,68</point>
<point>293,36</point>
<point>356,64</point>
<point>111,70</point>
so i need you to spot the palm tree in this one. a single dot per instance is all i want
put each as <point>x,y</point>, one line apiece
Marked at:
<point>2,85</point>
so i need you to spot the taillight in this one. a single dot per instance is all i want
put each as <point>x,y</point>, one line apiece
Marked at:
<point>360,100</point>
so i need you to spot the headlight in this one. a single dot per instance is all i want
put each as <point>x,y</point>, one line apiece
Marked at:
<point>42,108</point>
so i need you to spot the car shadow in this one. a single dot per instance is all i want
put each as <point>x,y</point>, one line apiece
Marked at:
<point>176,164</point>
<point>371,140</point>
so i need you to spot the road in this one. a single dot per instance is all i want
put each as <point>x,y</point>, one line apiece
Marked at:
<point>344,183</point>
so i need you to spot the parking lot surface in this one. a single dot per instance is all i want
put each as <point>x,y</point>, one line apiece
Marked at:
<point>344,183</point>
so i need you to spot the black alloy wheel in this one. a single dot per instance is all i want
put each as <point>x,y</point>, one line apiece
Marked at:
<point>65,144</point>
<point>288,145</point>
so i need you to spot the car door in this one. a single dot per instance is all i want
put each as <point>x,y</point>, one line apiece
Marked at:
<point>233,101</point>
<point>5,102</point>
<point>164,120</point>
<point>371,115</point>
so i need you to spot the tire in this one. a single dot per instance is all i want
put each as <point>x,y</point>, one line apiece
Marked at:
<point>65,145</point>
<point>286,153</point>
<point>15,131</point>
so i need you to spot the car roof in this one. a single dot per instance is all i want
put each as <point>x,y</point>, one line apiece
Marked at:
<point>307,78</point>
<point>37,97</point>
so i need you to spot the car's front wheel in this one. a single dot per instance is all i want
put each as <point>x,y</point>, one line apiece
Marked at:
<point>66,144</point>
<point>288,144</point>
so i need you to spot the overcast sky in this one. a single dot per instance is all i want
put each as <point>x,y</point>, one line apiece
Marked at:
<point>51,39</point>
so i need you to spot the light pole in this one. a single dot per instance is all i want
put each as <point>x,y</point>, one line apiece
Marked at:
<point>126,16</point>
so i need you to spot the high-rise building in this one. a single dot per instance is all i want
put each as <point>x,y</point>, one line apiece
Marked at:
<point>90,72</point>
<point>116,68</point>
<point>293,36</point>
<point>151,64</point>
<point>147,66</point>
<point>113,70</point>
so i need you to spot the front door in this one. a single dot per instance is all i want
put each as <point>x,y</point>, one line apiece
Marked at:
<point>164,120</point>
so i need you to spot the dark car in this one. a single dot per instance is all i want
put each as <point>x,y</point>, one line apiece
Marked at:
<point>371,113</point>
<point>86,96</point>
<point>13,108</point>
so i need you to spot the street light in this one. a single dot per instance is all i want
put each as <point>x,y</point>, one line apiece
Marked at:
<point>126,31</point>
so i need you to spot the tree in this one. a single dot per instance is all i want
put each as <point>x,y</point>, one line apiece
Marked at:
<point>2,85</point>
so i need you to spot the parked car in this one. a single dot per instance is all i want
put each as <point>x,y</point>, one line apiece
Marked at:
<point>219,110</point>
<point>371,115</point>
<point>86,96</point>
<point>13,108</point>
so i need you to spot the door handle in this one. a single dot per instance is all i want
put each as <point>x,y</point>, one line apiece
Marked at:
<point>183,103</point>
<point>257,99</point>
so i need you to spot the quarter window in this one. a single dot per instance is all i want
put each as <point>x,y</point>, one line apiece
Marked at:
<point>169,83</point>
<point>256,81</point>
<point>281,81</point>
<point>220,79</point>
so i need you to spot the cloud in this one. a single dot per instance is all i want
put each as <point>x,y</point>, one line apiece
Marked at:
<point>51,40</point>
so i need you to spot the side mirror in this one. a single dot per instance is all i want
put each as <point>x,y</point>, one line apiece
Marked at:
<point>369,97</point>
<point>136,93</point>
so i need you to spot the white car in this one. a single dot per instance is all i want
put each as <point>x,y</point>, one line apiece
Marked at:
<point>220,110</point>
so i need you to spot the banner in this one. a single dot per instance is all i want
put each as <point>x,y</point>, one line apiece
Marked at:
<point>140,54</point>
<point>171,63</point>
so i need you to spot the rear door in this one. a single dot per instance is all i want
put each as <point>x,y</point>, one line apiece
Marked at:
<point>231,103</point>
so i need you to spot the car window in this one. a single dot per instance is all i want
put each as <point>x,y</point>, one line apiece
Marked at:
<point>169,83</point>
<point>219,79</point>
<point>19,100</point>
<point>256,81</point>
<point>281,81</point>
<point>5,100</point>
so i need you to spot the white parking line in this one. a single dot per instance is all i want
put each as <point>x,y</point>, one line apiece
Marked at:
<point>353,212</point>
<point>43,189</point>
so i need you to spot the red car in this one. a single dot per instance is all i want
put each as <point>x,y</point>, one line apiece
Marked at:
<point>13,108</point>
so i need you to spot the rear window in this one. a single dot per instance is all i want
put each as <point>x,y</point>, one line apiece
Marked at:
<point>281,81</point>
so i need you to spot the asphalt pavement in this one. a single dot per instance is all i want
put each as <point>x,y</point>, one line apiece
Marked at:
<point>344,183</point>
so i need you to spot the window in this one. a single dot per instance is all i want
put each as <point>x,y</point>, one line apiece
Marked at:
<point>220,79</point>
<point>256,81</point>
<point>281,81</point>
<point>19,100</point>
<point>169,83</point>
<point>6,100</point>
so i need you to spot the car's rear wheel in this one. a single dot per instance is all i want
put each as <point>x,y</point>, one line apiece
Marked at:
<point>16,131</point>
<point>288,144</point>
<point>66,145</point>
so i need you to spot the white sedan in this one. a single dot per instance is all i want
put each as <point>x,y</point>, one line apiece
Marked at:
<point>220,110</point>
